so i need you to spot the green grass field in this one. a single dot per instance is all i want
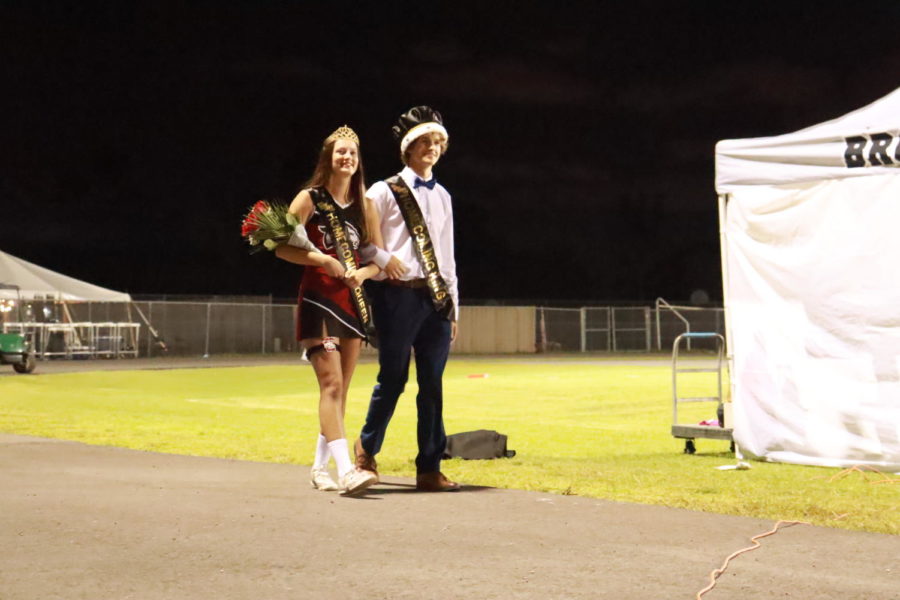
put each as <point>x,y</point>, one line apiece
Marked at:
<point>580,426</point>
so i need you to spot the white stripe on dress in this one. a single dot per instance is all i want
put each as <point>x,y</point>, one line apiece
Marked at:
<point>336,316</point>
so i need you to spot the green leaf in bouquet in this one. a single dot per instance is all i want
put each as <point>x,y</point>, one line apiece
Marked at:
<point>267,225</point>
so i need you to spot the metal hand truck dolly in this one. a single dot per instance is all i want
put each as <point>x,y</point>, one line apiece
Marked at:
<point>691,432</point>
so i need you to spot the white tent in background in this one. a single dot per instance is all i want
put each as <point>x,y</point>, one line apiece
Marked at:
<point>811,268</point>
<point>39,283</point>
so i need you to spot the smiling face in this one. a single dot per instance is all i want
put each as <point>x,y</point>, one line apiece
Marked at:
<point>344,158</point>
<point>424,152</point>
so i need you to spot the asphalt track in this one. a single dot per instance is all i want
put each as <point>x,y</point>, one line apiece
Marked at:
<point>80,521</point>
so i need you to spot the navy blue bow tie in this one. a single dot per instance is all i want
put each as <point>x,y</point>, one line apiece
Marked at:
<point>429,184</point>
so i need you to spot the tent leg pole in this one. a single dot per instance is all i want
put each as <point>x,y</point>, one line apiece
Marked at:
<point>153,332</point>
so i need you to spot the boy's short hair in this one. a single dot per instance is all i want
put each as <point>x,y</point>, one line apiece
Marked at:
<point>445,143</point>
<point>416,122</point>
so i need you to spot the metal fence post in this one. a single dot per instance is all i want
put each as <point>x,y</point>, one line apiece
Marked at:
<point>609,328</point>
<point>542,331</point>
<point>612,329</point>
<point>263,328</point>
<point>583,319</point>
<point>658,333</point>
<point>208,316</point>
<point>149,336</point>
<point>647,329</point>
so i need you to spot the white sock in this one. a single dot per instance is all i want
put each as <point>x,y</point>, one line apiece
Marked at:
<point>323,453</point>
<point>341,456</point>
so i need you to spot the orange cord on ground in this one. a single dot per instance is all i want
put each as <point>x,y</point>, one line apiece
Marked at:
<point>885,478</point>
<point>861,469</point>
<point>717,572</point>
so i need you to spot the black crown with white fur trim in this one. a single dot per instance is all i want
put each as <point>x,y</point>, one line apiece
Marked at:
<point>415,122</point>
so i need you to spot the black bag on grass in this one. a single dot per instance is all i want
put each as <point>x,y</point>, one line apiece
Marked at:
<point>480,444</point>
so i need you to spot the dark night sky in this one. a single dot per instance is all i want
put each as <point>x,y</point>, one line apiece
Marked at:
<point>135,135</point>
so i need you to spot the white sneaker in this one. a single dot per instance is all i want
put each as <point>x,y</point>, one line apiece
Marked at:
<point>356,482</point>
<point>320,479</point>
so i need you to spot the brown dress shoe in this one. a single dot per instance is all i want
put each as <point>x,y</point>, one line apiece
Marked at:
<point>435,482</point>
<point>364,462</point>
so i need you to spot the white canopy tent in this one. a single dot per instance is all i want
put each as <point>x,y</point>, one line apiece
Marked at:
<point>20,279</point>
<point>810,257</point>
<point>39,283</point>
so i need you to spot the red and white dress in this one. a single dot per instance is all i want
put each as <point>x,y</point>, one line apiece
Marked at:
<point>325,306</point>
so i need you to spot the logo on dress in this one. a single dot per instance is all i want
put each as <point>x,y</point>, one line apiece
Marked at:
<point>352,235</point>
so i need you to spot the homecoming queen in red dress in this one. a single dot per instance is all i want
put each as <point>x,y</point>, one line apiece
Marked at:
<point>333,205</point>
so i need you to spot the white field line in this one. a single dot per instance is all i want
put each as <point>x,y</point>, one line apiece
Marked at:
<point>251,402</point>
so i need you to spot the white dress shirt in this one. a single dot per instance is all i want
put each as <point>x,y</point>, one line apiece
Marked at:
<point>437,211</point>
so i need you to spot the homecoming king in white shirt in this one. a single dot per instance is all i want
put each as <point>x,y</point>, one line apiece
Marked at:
<point>415,300</point>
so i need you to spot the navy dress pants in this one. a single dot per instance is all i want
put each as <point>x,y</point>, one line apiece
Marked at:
<point>406,321</point>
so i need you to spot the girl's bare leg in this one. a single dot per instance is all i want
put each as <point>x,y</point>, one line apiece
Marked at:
<point>327,366</point>
<point>349,355</point>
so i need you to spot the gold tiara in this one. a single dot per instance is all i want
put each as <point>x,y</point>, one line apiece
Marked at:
<point>344,133</point>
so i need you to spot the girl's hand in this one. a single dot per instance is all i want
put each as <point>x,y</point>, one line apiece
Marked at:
<point>353,278</point>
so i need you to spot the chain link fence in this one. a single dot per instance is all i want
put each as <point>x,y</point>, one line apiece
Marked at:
<point>621,328</point>
<point>198,328</point>
<point>206,328</point>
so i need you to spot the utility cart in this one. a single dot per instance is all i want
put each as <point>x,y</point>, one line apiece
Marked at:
<point>17,348</point>
<point>689,432</point>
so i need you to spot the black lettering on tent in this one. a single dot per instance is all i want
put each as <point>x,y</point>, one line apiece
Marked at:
<point>878,152</point>
<point>853,153</point>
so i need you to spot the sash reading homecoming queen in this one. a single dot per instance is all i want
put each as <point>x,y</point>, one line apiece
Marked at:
<point>326,205</point>
<point>418,231</point>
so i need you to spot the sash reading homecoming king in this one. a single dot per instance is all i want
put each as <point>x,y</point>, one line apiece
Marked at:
<point>325,204</point>
<point>415,224</point>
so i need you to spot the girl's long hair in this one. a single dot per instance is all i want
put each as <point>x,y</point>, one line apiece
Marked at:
<point>357,192</point>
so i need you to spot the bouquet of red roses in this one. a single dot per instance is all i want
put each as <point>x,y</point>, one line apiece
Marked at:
<point>269,225</point>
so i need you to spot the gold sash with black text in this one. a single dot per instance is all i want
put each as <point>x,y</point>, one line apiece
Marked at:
<point>326,205</point>
<point>418,230</point>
